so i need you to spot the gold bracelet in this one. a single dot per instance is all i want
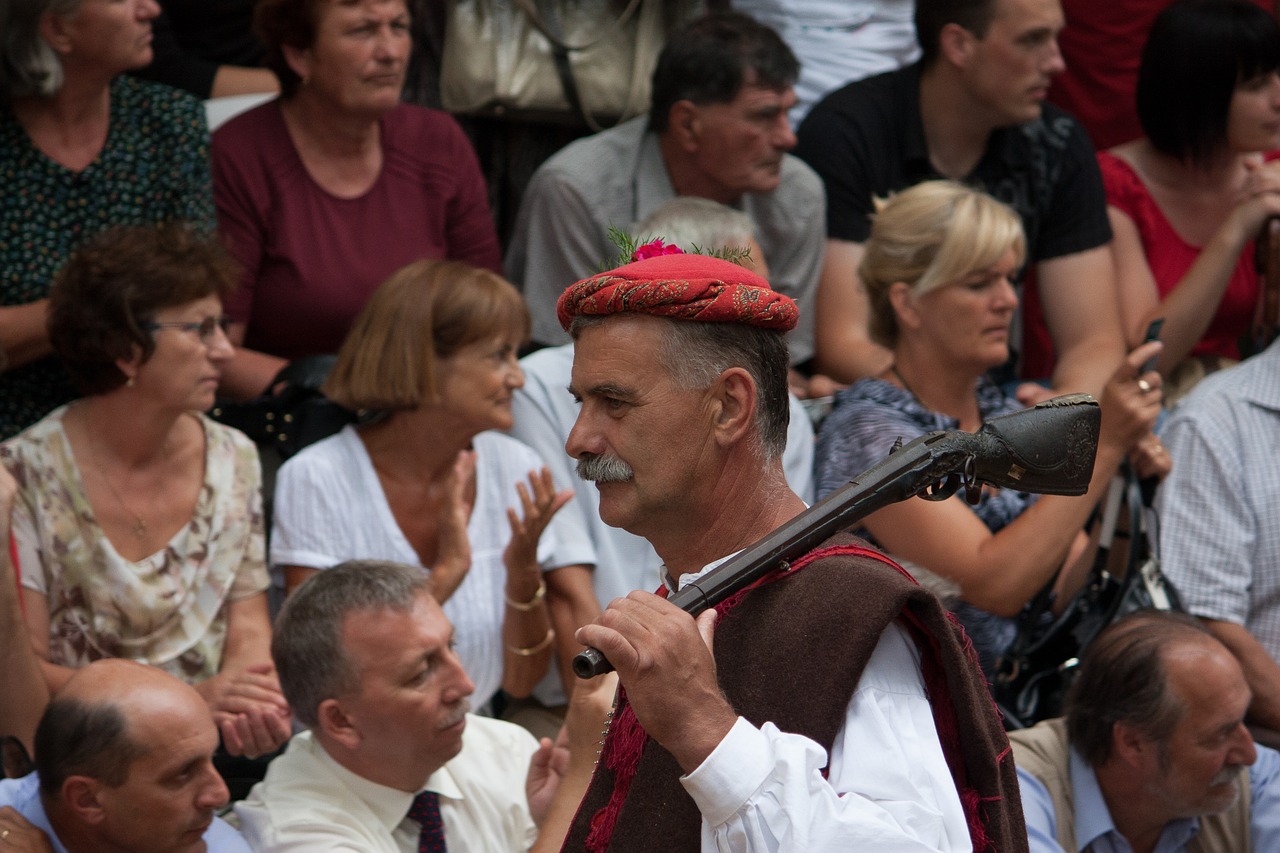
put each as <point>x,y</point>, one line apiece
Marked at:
<point>533,650</point>
<point>526,606</point>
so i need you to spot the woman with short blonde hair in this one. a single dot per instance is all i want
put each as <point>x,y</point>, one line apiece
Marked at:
<point>931,236</point>
<point>939,268</point>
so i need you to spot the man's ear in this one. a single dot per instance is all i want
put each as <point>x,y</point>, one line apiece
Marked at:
<point>336,725</point>
<point>684,125</point>
<point>80,795</point>
<point>734,399</point>
<point>1130,745</point>
<point>957,45</point>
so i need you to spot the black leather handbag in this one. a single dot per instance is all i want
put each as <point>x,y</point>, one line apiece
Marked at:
<point>1034,673</point>
<point>293,413</point>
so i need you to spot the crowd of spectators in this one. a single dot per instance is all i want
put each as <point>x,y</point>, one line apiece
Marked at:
<point>974,206</point>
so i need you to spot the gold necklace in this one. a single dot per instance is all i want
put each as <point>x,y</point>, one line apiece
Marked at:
<point>139,526</point>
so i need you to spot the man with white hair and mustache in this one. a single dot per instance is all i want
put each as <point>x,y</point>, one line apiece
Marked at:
<point>392,761</point>
<point>1153,754</point>
<point>830,706</point>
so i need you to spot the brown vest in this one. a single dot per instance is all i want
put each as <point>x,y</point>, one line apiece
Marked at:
<point>792,653</point>
<point>1042,751</point>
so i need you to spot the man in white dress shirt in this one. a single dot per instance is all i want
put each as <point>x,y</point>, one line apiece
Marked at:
<point>392,758</point>
<point>837,708</point>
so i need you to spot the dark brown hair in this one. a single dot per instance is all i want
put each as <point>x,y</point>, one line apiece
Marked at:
<point>113,286</point>
<point>1123,680</point>
<point>291,23</point>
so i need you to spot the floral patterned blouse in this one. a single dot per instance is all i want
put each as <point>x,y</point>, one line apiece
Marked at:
<point>169,609</point>
<point>866,419</point>
<point>154,167</point>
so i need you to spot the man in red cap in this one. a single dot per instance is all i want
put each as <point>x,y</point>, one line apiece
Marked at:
<point>837,707</point>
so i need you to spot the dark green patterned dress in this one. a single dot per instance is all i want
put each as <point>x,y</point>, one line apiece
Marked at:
<point>154,167</point>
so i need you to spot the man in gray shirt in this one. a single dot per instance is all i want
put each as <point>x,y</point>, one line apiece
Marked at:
<point>718,129</point>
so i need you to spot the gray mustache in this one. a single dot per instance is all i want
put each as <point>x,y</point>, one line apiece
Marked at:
<point>604,469</point>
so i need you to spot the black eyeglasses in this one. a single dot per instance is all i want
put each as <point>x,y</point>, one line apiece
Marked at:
<point>205,329</point>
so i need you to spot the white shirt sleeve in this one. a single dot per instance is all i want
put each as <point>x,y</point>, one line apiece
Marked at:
<point>889,788</point>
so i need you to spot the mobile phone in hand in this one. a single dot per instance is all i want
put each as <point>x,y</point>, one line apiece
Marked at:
<point>1153,334</point>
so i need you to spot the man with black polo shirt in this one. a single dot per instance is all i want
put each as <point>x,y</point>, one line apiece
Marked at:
<point>972,110</point>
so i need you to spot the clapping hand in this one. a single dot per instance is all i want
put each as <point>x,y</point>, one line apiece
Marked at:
<point>453,552</point>
<point>540,502</point>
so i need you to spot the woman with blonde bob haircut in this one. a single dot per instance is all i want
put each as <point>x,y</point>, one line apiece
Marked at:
<point>425,311</point>
<point>938,269</point>
<point>933,235</point>
<point>429,482</point>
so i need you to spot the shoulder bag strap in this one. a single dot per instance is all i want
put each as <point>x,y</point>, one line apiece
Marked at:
<point>1266,259</point>
<point>551,29</point>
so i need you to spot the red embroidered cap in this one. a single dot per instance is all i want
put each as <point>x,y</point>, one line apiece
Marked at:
<point>683,287</point>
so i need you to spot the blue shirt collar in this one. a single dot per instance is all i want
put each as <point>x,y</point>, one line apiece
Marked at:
<point>1093,818</point>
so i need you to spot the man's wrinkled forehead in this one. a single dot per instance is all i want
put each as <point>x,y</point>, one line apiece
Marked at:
<point>608,353</point>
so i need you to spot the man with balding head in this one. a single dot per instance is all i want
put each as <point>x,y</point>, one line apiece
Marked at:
<point>1153,754</point>
<point>124,762</point>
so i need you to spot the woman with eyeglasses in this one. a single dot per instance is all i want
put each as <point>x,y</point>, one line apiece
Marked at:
<point>138,524</point>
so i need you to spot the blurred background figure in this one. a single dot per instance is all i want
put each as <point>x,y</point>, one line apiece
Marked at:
<point>328,190</point>
<point>139,523</point>
<point>1219,543</point>
<point>1101,41</point>
<point>718,129</point>
<point>209,49</point>
<point>971,110</point>
<point>431,483</point>
<point>838,41</point>
<point>25,692</point>
<point>82,148</point>
<point>938,268</point>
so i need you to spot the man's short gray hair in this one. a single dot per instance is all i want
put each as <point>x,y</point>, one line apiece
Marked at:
<point>693,223</point>
<point>306,644</point>
<point>28,65</point>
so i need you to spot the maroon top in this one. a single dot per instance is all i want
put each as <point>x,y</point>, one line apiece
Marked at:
<point>311,259</point>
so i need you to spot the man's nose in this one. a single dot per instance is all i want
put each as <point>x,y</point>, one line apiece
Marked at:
<point>214,793</point>
<point>582,438</point>
<point>1244,750</point>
